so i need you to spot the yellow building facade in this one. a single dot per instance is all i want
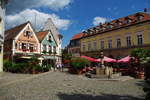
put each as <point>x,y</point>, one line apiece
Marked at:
<point>118,41</point>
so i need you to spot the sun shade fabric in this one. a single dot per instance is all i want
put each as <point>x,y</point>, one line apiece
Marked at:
<point>124,60</point>
<point>107,59</point>
<point>89,58</point>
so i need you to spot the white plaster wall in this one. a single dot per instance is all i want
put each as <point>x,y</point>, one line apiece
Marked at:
<point>2,14</point>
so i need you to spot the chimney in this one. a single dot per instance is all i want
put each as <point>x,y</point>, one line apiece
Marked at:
<point>145,9</point>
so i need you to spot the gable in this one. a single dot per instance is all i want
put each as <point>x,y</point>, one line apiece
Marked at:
<point>22,36</point>
<point>10,34</point>
<point>45,40</point>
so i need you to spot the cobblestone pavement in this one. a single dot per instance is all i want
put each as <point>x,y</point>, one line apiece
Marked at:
<point>63,86</point>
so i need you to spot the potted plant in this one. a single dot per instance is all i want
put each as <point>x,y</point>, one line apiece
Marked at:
<point>78,64</point>
<point>142,57</point>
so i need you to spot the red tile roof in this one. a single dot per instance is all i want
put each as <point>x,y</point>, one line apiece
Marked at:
<point>77,36</point>
<point>146,17</point>
<point>13,32</point>
<point>41,35</point>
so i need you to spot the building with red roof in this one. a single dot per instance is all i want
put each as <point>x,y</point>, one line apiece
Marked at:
<point>118,37</point>
<point>74,45</point>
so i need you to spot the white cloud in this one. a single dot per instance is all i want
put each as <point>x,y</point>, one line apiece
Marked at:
<point>37,18</point>
<point>98,20</point>
<point>16,6</point>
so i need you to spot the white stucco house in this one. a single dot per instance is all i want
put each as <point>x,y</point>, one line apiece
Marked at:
<point>49,25</point>
<point>2,18</point>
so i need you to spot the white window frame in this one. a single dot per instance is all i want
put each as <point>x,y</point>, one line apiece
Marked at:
<point>102,43</point>
<point>95,45</point>
<point>83,47</point>
<point>109,43</point>
<point>137,34</point>
<point>89,45</point>
<point>127,39</point>
<point>149,35</point>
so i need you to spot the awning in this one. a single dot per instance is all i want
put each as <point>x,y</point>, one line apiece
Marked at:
<point>124,60</point>
<point>25,57</point>
<point>89,58</point>
<point>49,57</point>
<point>107,59</point>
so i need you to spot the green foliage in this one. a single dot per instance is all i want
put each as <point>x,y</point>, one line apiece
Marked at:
<point>38,68</point>
<point>142,54</point>
<point>27,67</point>
<point>7,65</point>
<point>16,67</point>
<point>79,63</point>
<point>47,68</point>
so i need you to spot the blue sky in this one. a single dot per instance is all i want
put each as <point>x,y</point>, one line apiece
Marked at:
<point>79,15</point>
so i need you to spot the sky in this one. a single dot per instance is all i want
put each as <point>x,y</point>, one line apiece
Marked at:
<point>70,16</point>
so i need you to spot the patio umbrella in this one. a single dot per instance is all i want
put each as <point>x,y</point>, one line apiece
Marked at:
<point>124,60</point>
<point>107,59</point>
<point>89,58</point>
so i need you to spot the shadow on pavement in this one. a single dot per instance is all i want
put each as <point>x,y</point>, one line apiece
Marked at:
<point>92,97</point>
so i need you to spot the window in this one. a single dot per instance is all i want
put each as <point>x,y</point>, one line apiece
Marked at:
<point>102,44</point>
<point>83,47</point>
<point>128,41</point>
<point>15,45</point>
<point>139,39</point>
<point>89,46</point>
<point>44,48</point>
<point>95,45</point>
<point>31,47</point>
<point>118,41</point>
<point>109,44</point>
<point>50,49</point>
<point>54,50</point>
<point>138,18</point>
<point>0,49</point>
<point>24,46</point>
<point>149,35</point>
<point>20,46</point>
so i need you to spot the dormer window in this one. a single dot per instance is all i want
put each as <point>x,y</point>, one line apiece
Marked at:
<point>109,26</point>
<point>102,28</point>
<point>128,20</point>
<point>89,31</point>
<point>138,17</point>
<point>96,30</point>
<point>118,23</point>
